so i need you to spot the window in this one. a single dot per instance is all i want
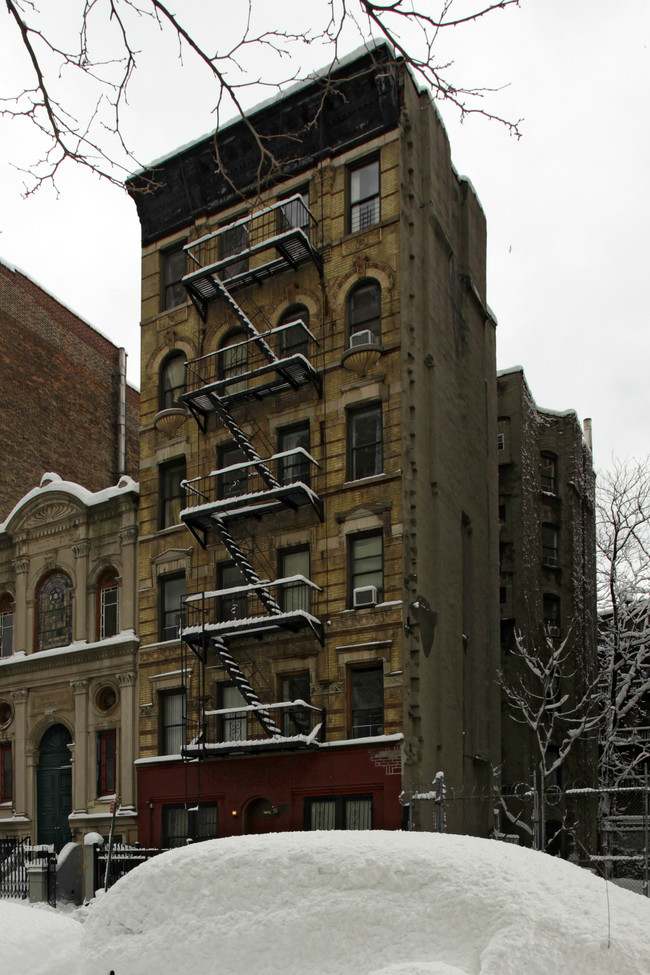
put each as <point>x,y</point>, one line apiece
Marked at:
<point>296,213</point>
<point>501,441</point>
<point>364,309</point>
<point>549,545</point>
<point>172,495</point>
<point>6,626</point>
<point>551,613</point>
<point>108,609</point>
<point>106,763</point>
<point>231,484</point>
<point>234,725</point>
<point>54,612</point>
<point>172,594</point>
<point>233,360</point>
<point>364,195</point>
<point>234,606</point>
<point>366,564</point>
<point>553,776</point>
<point>297,467</point>
<point>366,701</point>
<point>172,381</point>
<point>180,825</point>
<point>174,265</point>
<point>295,687</point>
<point>6,773</point>
<point>364,441</point>
<point>172,722</point>
<point>232,241</point>
<point>338,812</point>
<point>295,595</point>
<point>294,341</point>
<point>549,472</point>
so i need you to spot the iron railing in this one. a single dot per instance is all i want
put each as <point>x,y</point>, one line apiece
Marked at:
<point>16,855</point>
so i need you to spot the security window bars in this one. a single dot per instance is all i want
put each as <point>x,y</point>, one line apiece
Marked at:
<point>366,564</point>
<point>172,593</point>
<point>294,468</point>
<point>174,266</point>
<point>295,687</point>
<point>338,812</point>
<point>366,701</point>
<point>364,196</point>
<point>181,825</point>
<point>172,718</point>
<point>295,595</point>
<point>234,725</point>
<point>106,752</point>
<point>364,439</point>
<point>171,494</point>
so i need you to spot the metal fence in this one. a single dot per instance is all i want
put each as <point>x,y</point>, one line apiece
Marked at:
<point>122,860</point>
<point>16,856</point>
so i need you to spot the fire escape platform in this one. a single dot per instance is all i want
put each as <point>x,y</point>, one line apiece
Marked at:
<point>257,626</point>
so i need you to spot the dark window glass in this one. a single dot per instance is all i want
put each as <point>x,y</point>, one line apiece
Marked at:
<point>235,605</point>
<point>233,360</point>
<point>172,594</point>
<point>295,687</point>
<point>6,626</point>
<point>364,442</point>
<point>551,613</point>
<point>172,722</point>
<point>109,604</point>
<point>364,309</point>
<point>234,726</point>
<point>295,595</point>
<point>295,340</point>
<point>231,484</point>
<point>172,381</point>
<point>172,495</point>
<point>366,563</point>
<point>338,812</point>
<point>366,701</point>
<point>180,825</point>
<point>549,545</point>
<point>549,472</point>
<point>106,763</point>
<point>297,467</point>
<point>55,612</point>
<point>234,241</point>
<point>296,212</point>
<point>6,773</point>
<point>364,196</point>
<point>174,265</point>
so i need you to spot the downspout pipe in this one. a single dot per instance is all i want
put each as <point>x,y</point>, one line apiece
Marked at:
<point>121,419</point>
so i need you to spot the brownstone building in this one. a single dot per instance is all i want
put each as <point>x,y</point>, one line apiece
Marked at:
<point>318,528</point>
<point>65,405</point>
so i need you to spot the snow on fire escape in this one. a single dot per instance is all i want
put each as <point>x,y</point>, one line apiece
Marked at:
<point>247,251</point>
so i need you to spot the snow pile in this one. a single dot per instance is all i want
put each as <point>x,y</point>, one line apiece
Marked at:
<point>363,903</point>
<point>37,941</point>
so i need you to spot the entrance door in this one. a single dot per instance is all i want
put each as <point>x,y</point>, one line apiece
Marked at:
<point>54,787</point>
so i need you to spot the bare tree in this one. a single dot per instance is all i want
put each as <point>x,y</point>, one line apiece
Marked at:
<point>559,708</point>
<point>97,51</point>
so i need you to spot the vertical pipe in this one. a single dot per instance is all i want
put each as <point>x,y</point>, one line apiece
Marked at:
<point>121,420</point>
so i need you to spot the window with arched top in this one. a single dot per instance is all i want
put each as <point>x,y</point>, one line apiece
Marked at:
<point>172,381</point>
<point>233,359</point>
<point>54,611</point>
<point>6,625</point>
<point>364,310</point>
<point>108,604</point>
<point>295,340</point>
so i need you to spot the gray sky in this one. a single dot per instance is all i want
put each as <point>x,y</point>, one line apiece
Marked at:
<point>568,205</point>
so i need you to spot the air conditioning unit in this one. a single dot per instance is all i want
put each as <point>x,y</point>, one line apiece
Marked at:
<point>366,337</point>
<point>365,596</point>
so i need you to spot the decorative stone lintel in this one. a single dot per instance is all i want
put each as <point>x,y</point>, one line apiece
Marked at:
<point>126,680</point>
<point>79,686</point>
<point>128,536</point>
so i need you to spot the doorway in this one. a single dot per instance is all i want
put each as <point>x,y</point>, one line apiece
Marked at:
<point>54,787</point>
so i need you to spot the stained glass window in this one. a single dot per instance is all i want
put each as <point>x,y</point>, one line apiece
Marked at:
<point>55,612</point>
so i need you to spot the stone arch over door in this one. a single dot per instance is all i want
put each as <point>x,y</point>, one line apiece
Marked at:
<point>54,787</point>
<point>260,816</point>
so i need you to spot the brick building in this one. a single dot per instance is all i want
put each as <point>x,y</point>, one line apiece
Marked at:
<point>61,386</point>
<point>320,478</point>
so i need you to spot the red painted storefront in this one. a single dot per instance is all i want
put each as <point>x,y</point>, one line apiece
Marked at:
<point>269,792</point>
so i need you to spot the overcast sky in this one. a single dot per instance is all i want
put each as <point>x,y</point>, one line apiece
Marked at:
<point>567,205</point>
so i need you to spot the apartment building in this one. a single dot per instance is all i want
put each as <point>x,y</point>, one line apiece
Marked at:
<point>318,523</point>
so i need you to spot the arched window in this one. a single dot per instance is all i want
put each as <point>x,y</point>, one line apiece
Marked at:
<point>54,620</point>
<point>6,625</point>
<point>108,604</point>
<point>233,359</point>
<point>295,340</point>
<point>364,309</point>
<point>172,381</point>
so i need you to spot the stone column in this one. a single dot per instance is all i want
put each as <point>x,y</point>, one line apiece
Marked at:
<point>21,630</point>
<point>21,806</point>
<point>80,621</point>
<point>80,754</point>
<point>125,783</point>
<point>128,597</point>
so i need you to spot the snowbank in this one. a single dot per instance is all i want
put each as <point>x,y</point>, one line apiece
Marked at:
<point>38,940</point>
<point>364,903</point>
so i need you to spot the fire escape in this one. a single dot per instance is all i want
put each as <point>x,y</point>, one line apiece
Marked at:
<point>271,361</point>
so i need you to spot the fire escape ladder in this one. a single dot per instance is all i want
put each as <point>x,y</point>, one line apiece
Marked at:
<point>238,677</point>
<point>244,443</point>
<point>246,568</point>
<point>245,322</point>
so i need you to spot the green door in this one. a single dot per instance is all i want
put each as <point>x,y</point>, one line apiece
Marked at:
<point>54,787</point>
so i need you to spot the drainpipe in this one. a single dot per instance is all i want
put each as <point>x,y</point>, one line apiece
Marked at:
<point>588,435</point>
<point>121,420</point>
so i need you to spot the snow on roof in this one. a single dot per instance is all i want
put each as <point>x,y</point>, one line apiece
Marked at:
<point>52,483</point>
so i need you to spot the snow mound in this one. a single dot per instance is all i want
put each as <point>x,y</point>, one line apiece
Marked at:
<point>368,903</point>
<point>37,940</point>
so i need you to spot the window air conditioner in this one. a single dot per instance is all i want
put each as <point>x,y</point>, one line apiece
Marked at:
<point>365,596</point>
<point>365,337</point>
